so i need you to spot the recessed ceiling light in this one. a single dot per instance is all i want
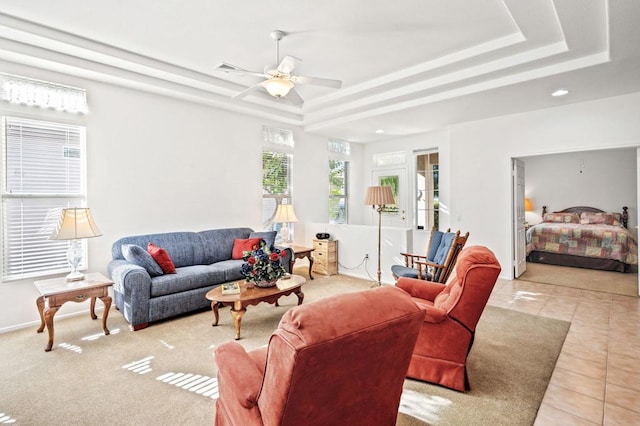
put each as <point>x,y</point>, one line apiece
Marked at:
<point>379,131</point>
<point>560,92</point>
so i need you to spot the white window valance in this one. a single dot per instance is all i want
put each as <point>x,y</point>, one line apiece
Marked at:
<point>28,91</point>
<point>275,136</point>
<point>389,159</point>
<point>338,146</point>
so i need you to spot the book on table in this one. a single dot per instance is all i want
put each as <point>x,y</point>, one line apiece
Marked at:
<point>230,288</point>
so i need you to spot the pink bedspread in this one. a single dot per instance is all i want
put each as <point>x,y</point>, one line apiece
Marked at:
<point>601,241</point>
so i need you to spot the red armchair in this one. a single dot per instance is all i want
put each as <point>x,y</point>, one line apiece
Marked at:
<point>452,313</point>
<point>340,360</point>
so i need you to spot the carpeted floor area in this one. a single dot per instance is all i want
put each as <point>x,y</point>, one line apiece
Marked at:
<point>165,374</point>
<point>625,284</point>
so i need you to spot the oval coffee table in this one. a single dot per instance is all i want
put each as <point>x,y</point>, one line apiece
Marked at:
<point>253,296</point>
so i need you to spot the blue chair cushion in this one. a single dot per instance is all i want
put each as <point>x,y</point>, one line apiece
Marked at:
<point>436,238</point>
<point>405,271</point>
<point>443,248</point>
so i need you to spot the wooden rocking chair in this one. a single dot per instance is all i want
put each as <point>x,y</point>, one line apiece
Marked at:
<point>437,264</point>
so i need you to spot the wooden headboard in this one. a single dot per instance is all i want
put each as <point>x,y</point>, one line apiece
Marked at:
<point>580,209</point>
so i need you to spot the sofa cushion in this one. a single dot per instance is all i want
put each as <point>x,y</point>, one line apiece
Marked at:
<point>232,269</point>
<point>139,256</point>
<point>187,278</point>
<point>162,258</point>
<point>269,237</point>
<point>240,245</point>
<point>218,243</point>
<point>184,248</point>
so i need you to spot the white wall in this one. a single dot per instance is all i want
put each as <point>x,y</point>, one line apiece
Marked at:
<point>157,164</point>
<point>605,179</point>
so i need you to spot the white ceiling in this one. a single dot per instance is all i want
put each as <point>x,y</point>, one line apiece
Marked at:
<point>407,66</point>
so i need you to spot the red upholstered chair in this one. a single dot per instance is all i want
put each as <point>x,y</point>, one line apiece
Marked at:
<point>340,360</point>
<point>452,312</point>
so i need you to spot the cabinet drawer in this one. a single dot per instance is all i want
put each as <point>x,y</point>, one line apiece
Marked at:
<point>77,296</point>
<point>325,258</point>
<point>324,246</point>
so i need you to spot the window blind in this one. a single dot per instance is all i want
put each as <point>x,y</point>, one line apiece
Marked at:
<point>276,183</point>
<point>44,164</point>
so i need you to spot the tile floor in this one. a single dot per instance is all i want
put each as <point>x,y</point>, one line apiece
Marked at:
<point>596,380</point>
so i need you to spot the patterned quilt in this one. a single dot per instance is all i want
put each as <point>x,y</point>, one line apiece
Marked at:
<point>601,241</point>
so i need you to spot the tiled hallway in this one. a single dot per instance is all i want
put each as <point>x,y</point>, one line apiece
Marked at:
<point>596,380</point>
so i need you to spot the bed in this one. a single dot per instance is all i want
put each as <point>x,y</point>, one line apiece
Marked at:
<point>584,237</point>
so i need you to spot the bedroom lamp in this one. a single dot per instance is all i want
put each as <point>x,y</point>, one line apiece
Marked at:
<point>528,205</point>
<point>74,224</point>
<point>378,197</point>
<point>285,215</point>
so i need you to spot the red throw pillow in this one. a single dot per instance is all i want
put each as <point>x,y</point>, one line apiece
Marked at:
<point>162,258</point>
<point>240,246</point>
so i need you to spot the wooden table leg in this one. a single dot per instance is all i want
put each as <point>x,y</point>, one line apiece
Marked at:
<point>214,308</point>
<point>48,318</point>
<point>310,265</point>
<point>300,295</point>
<point>237,312</point>
<point>107,305</point>
<point>92,311</point>
<point>40,304</point>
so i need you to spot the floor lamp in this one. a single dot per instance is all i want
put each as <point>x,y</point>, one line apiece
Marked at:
<point>378,197</point>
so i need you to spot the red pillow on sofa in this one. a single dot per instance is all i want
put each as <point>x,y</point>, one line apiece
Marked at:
<point>162,258</point>
<point>242,245</point>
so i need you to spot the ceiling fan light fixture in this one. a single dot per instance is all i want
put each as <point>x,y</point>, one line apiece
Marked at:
<point>278,87</point>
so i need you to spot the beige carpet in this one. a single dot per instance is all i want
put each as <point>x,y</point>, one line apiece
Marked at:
<point>165,374</point>
<point>625,284</point>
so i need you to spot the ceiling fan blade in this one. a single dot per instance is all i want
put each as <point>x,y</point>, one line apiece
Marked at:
<point>237,70</point>
<point>287,64</point>
<point>326,82</point>
<point>294,97</point>
<point>247,91</point>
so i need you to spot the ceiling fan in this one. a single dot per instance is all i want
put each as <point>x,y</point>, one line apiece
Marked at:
<point>279,82</point>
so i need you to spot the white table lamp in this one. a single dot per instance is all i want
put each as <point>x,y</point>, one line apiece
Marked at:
<point>75,223</point>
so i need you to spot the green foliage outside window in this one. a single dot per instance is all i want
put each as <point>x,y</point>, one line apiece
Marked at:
<point>338,182</point>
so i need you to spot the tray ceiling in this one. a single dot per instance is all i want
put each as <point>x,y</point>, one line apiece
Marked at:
<point>407,67</point>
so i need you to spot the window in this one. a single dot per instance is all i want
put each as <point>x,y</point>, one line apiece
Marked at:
<point>277,159</point>
<point>338,192</point>
<point>427,189</point>
<point>44,173</point>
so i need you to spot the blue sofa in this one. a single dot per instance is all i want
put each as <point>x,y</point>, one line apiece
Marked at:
<point>202,260</point>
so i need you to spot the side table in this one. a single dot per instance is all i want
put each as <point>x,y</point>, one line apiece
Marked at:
<point>300,252</point>
<point>55,292</point>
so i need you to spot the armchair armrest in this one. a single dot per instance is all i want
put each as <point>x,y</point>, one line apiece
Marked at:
<point>239,379</point>
<point>419,288</point>
<point>410,259</point>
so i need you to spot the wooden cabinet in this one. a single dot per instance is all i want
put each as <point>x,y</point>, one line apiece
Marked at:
<point>325,257</point>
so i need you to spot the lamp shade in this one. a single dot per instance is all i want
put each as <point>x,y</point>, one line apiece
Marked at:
<point>278,87</point>
<point>379,196</point>
<point>75,223</point>
<point>285,214</point>
<point>528,205</point>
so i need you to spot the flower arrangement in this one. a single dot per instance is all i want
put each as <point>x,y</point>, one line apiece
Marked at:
<point>263,266</point>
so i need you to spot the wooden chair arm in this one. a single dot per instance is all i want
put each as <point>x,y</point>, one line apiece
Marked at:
<point>410,259</point>
<point>433,265</point>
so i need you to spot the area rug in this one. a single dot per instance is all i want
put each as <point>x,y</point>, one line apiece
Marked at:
<point>165,374</point>
<point>625,284</point>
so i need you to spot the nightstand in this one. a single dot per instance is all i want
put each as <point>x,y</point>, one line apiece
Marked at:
<point>325,257</point>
